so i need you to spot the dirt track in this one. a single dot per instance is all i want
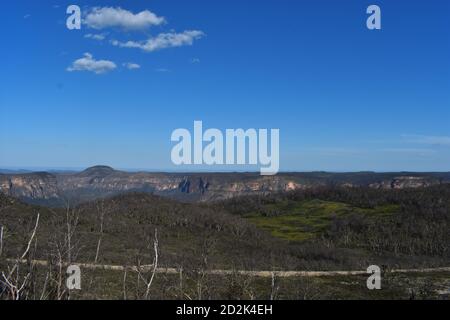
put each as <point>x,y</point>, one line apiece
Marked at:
<point>261,274</point>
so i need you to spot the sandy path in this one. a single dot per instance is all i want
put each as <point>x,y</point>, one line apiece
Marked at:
<point>261,274</point>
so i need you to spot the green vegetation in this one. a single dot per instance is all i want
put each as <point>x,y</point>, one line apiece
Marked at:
<point>303,220</point>
<point>317,229</point>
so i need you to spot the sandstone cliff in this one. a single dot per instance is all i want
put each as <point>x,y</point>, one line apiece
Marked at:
<point>101,181</point>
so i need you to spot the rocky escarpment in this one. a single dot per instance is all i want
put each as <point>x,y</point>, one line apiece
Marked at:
<point>39,186</point>
<point>102,181</point>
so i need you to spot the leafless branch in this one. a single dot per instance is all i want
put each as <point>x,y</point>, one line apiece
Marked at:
<point>148,282</point>
<point>1,240</point>
<point>12,281</point>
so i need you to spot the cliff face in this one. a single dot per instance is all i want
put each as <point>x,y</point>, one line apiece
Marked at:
<point>32,186</point>
<point>101,181</point>
<point>93,183</point>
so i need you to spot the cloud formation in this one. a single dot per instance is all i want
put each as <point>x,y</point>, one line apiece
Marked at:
<point>131,66</point>
<point>109,17</point>
<point>88,63</point>
<point>163,41</point>
<point>430,140</point>
<point>98,37</point>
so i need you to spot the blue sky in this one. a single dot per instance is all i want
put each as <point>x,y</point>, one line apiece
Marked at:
<point>344,98</point>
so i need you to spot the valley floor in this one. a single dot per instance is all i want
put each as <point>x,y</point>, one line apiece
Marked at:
<point>281,246</point>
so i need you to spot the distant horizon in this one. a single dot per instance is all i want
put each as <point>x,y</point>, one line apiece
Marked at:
<point>32,169</point>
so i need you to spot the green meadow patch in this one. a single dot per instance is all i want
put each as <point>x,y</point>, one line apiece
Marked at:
<point>299,221</point>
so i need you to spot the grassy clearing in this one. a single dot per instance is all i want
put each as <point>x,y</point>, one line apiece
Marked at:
<point>299,221</point>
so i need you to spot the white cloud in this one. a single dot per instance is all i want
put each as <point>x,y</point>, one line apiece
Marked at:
<point>195,60</point>
<point>88,63</point>
<point>163,41</point>
<point>27,16</point>
<point>430,140</point>
<point>410,151</point>
<point>108,17</point>
<point>162,70</point>
<point>131,66</point>
<point>98,37</point>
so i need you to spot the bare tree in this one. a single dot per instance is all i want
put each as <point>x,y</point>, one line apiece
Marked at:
<point>125,272</point>
<point>273,287</point>
<point>13,281</point>
<point>101,210</point>
<point>141,269</point>
<point>65,251</point>
<point>1,240</point>
<point>71,224</point>
<point>209,243</point>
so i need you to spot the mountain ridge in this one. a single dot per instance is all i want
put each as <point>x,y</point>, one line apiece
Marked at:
<point>55,188</point>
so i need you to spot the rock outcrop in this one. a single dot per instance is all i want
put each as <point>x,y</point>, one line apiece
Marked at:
<point>101,181</point>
